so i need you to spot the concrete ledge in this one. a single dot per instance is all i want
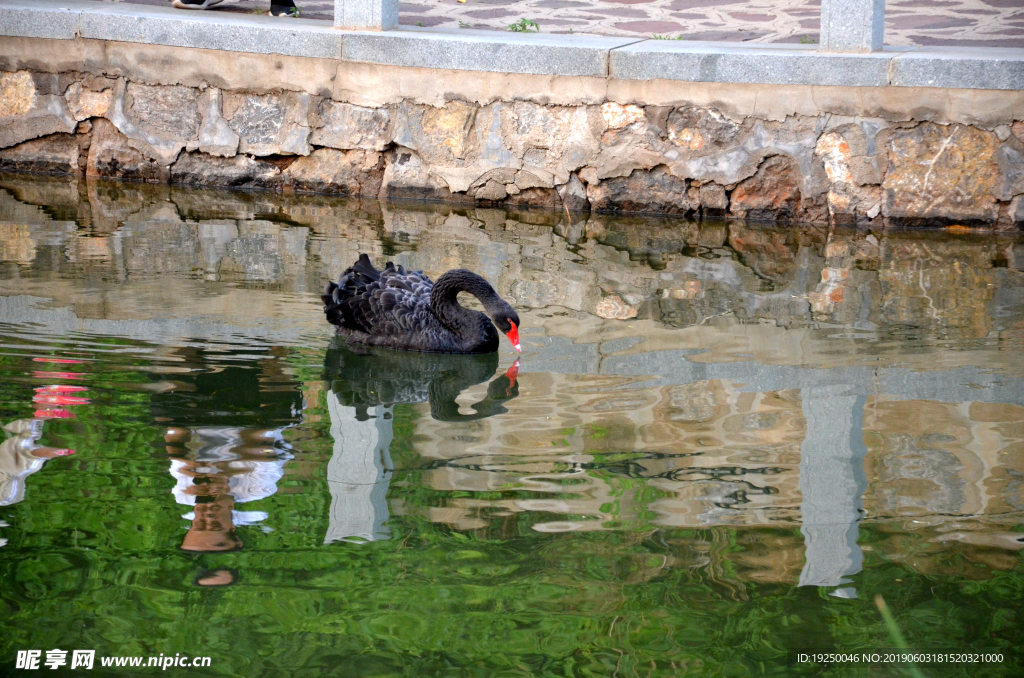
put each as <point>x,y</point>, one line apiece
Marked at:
<point>530,54</point>
<point>981,68</point>
<point>40,20</point>
<point>767,64</point>
<point>228,32</point>
<point>167,26</point>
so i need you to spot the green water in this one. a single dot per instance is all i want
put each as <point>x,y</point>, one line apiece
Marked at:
<point>723,443</point>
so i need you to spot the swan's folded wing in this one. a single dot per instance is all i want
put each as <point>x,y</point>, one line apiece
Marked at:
<point>385,311</point>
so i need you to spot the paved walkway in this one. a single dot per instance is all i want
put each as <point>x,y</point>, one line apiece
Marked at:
<point>976,23</point>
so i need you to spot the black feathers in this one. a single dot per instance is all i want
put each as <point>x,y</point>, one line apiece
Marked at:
<point>395,308</point>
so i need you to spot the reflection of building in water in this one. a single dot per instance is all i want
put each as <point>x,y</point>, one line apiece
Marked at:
<point>218,468</point>
<point>932,461</point>
<point>592,447</point>
<point>20,457</point>
<point>226,411</point>
<point>599,452</point>
<point>359,472</point>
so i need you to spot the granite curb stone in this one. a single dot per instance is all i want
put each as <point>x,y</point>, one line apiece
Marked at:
<point>982,68</point>
<point>484,51</point>
<point>770,65</point>
<point>26,20</point>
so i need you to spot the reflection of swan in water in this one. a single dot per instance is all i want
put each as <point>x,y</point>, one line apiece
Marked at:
<point>366,377</point>
<point>365,386</point>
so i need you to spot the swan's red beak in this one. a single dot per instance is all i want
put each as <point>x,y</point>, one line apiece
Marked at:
<point>512,373</point>
<point>513,336</point>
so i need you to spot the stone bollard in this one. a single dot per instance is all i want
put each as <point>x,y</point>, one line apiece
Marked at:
<point>367,15</point>
<point>852,25</point>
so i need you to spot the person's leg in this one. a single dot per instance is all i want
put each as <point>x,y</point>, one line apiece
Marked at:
<point>283,8</point>
<point>196,4</point>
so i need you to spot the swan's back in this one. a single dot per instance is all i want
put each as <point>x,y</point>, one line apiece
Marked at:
<point>388,308</point>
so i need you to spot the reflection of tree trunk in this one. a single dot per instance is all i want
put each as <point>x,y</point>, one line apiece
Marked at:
<point>359,473</point>
<point>832,482</point>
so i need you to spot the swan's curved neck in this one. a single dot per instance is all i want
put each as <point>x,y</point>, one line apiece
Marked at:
<point>460,320</point>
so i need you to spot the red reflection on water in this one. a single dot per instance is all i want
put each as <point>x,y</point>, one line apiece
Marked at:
<point>53,397</point>
<point>60,400</point>
<point>54,414</point>
<point>57,375</point>
<point>60,388</point>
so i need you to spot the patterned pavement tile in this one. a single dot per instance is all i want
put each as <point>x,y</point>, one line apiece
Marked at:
<point>978,23</point>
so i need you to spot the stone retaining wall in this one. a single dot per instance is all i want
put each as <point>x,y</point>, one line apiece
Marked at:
<point>564,144</point>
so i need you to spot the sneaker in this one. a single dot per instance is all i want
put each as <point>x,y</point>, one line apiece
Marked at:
<point>196,4</point>
<point>283,8</point>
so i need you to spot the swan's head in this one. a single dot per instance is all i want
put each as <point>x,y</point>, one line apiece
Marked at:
<point>506,319</point>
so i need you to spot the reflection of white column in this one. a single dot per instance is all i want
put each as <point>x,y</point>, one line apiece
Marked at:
<point>358,473</point>
<point>832,482</point>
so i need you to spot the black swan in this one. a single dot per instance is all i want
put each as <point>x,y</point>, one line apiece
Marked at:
<point>365,377</point>
<point>394,308</point>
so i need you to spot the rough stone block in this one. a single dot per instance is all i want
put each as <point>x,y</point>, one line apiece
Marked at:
<point>942,173</point>
<point>772,193</point>
<point>270,124</point>
<point>573,195</point>
<point>84,103</point>
<point>1016,211</point>
<point>554,141</point>
<point>713,199</point>
<point>654,191</point>
<point>700,131</point>
<point>1010,158</point>
<point>471,51</point>
<point>344,126</point>
<point>215,134</point>
<point>145,115</point>
<point>546,198</point>
<point>714,149</point>
<point>166,112</point>
<point>460,142</point>
<point>199,169</point>
<point>26,114</point>
<point>112,155</point>
<point>17,93</point>
<point>54,154</point>
<point>407,176</point>
<point>328,170</point>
